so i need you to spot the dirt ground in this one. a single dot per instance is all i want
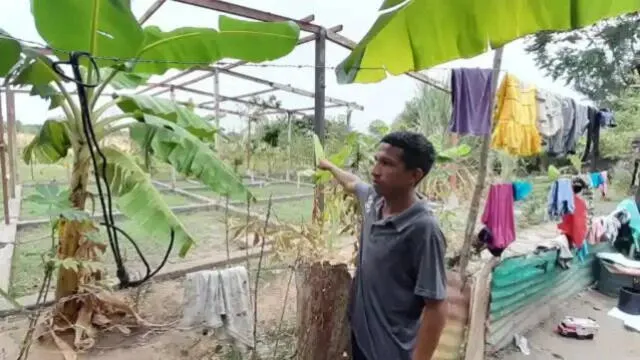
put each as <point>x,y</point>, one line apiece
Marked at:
<point>161,303</point>
<point>613,341</point>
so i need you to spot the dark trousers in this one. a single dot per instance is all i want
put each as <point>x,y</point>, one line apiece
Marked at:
<point>355,349</point>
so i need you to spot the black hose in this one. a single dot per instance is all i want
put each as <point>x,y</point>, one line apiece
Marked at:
<point>100,176</point>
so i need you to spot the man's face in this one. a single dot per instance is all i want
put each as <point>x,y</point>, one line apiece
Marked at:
<point>389,174</point>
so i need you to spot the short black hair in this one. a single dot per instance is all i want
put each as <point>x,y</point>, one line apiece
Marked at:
<point>417,151</point>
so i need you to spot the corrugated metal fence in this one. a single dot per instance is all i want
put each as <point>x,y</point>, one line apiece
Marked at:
<point>525,289</point>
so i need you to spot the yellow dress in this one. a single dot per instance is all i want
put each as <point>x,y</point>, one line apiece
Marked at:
<point>515,131</point>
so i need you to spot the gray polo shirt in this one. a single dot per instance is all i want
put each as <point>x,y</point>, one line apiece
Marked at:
<point>400,264</point>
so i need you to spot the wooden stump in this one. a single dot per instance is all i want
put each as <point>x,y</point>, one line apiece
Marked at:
<point>322,297</point>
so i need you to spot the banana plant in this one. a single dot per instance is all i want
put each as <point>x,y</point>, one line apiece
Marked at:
<point>127,55</point>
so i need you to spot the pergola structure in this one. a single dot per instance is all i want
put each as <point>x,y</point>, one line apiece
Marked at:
<point>317,34</point>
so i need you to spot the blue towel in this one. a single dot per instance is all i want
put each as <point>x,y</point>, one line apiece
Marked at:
<point>583,252</point>
<point>521,189</point>
<point>560,199</point>
<point>596,179</point>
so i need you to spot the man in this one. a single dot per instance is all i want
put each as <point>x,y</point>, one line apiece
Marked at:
<point>401,271</point>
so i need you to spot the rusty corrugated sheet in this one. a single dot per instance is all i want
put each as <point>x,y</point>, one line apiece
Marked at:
<point>453,335</point>
<point>525,289</point>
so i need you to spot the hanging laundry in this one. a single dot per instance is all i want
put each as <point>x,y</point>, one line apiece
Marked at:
<point>521,189</point>
<point>498,218</point>
<point>582,121</point>
<point>583,252</point>
<point>237,298</point>
<point>214,299</point>
<point>549,113</point>
<point>516,131</point>
<point>560,200</point>
<point>606,118</point>
<point>471,101</point>
<point>596,231</point>
<point>579,125</point>
<point>604,180</point>
<point>595,180</point>
<point>593,134</point>
<point>200,293</point>
<point>574,225</point>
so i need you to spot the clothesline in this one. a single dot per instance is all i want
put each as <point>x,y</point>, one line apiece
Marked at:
<point>527,120</point>
<point>503,72</point>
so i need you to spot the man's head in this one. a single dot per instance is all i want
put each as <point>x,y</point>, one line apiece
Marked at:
<point>402,160</point>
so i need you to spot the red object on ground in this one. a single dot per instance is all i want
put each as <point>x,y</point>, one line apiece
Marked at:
<point>574,226</point>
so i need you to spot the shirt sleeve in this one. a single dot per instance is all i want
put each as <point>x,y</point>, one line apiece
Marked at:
<point>363,191</point>
<point>431,279</point>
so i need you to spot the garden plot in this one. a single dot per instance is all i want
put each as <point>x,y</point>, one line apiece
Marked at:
<point>207,226</point>
<point>33,211</point>
<point>260,192</point>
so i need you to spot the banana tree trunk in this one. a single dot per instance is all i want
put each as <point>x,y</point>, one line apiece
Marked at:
<point>70,235</point>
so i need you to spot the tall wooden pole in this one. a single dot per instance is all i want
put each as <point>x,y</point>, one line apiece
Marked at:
<point>3,169</point>
<point>216,94</point>
<point>472,218</point>
<point>11,141</point>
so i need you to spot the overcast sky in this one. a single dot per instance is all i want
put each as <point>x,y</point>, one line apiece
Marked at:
<point>381,101</point>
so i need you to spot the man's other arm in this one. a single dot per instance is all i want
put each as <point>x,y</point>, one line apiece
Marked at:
<point>431,285</point>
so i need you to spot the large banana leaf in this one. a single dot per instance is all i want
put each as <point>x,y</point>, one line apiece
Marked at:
<point>124,80</point>
<point>36,70</point>
<point>187,154</point>
<point>417,34</point>
<point>9,53</point>
<point>140,201</point>
<point>100,27</point>
<point>168,110</point>
<point>239,39</point>
<point>50,145</point>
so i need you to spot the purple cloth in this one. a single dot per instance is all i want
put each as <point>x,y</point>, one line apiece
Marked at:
<point>471,100</point>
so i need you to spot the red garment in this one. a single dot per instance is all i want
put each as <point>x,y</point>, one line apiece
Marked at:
<point>574,226</point>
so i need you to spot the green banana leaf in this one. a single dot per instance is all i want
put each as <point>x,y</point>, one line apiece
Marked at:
<point>104,28</point>
<point>187,154</point>
<point>168,110</point>
<point>186,47</point>
<point>140,200</point>
<point>453,153</point>
<point>50,145</point>
<point>36,71</point>
<point>10,53</point>
<point>124,80</point>
<point>415,35</point>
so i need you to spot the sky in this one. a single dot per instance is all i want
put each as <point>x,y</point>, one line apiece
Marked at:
<point>384,100</point>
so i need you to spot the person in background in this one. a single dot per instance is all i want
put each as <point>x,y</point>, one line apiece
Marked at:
<point>398,304</point>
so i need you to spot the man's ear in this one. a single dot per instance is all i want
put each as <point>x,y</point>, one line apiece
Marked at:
<point>418,175</point>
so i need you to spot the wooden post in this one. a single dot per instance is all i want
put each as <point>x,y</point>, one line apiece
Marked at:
<point>465,252</point>
<point>173,170</point>
<point>288,146</point>
<point>3,169</point>
<point>11,142</point>
<point>319,114</point>
<point>216,94</point>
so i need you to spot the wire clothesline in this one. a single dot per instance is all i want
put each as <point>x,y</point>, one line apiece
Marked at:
<point>114,59</point>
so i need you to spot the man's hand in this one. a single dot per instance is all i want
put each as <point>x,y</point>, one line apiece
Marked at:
<point>325,164</point>
<point>346,179</point>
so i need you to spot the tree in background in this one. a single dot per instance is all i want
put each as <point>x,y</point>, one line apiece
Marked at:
<point>598,61</point>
